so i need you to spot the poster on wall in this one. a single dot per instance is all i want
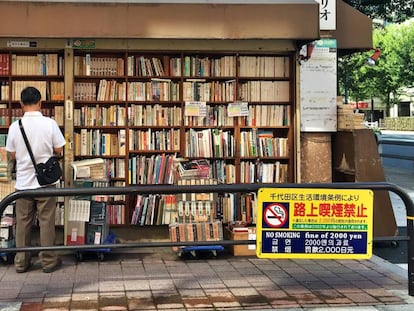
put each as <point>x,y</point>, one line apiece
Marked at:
<point>318,88</point>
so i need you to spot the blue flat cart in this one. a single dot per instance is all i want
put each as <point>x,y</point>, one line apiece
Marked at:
<point>194,251</point>
<point>100,252</point>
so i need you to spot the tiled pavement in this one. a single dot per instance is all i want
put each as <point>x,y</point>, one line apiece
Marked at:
<point>160,281</point>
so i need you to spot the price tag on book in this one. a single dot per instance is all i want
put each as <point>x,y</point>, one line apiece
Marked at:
<point>239,109</point>
<point>195,109</point>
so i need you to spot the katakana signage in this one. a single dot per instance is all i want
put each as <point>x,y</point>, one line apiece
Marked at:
<point>327,14</point>
<point>314,223</point>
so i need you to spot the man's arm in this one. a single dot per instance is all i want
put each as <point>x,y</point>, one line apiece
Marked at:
<point>58,150</point>
<point>12,155</point>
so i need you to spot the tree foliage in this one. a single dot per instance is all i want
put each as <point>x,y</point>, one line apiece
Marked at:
<point>392,73</point>
<point>394,11</point>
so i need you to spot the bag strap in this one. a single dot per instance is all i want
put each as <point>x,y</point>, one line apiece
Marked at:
<point>29,149</point>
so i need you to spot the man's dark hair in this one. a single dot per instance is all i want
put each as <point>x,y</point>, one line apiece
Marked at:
<point>30,96</point>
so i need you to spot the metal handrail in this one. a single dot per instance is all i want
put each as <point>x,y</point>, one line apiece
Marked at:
<point>226,188</point>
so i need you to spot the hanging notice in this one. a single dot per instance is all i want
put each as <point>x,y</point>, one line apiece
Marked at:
<point>239,109</point>
<point>314,223</point>
<point>195,109</point>
<point>318,78</point>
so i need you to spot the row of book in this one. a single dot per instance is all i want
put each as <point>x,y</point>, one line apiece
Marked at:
<point>223,172</point>
<point>202,231</point>
<point>95,143</point>
<point>209,143</point>
<point>147,140</point>
<point>49,90</point>
<point>50,64</point>
<point>151,210</point>
<point>96,212</point>
<point>111,90</point>
<point>147,66</point>
<point>8,116</point>
<point>113,115</point>
<point>262,143</point>
<point>264,66</point>
<point>155,90</point>
<point>144,66</point>
<point>158,115</point>
<point>216,115</point>
<point>88,65</point>
<point>154,115</point>
<point>193,66</point>
<point>154,169</point>
<point>199,66</point>
<point>197,197</point>
<point>209,91</point>
<point>165,209</point>
<point>267,115</point>
<point>4,64</point>
<point>167,90</point>
<point>264,91</point>
<point>261,172</point>
<point>168,209</point>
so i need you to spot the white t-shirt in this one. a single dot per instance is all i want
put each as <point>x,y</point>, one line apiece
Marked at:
<point>43,134</point>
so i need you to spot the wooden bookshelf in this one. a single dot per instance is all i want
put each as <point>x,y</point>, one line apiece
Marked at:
<point>138,110</point>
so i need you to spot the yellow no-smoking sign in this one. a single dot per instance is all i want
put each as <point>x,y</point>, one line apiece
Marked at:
<point>314,223</point>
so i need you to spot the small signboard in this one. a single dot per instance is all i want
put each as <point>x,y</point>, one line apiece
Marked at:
<point>314,223</point>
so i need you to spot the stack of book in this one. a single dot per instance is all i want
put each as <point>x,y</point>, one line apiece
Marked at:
<point>89,169</point>
<point>347,119</point>
<point>7,227</point>
<point>193,169</point>
<point>5,172</point>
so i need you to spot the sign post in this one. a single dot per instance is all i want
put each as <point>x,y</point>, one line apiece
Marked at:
<point>314,223</point>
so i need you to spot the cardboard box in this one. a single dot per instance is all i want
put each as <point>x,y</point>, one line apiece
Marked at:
<point>242,250</point>
<point>76,233</point>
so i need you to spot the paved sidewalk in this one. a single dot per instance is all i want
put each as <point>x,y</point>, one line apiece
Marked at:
<point>163,281</point>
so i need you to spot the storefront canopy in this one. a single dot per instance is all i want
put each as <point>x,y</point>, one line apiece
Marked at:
<point>354,29</point>
<point>297,20</point>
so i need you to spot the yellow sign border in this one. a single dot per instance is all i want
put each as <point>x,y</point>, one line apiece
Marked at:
<point>364,196</point>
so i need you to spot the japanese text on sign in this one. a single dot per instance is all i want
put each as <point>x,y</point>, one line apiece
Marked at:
<point>320,223</point>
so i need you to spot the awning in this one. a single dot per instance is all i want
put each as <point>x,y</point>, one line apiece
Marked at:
<point>353,29</point>
<point>296,20</point>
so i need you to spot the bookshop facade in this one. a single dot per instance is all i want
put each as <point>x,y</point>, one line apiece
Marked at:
<point>136,85</point>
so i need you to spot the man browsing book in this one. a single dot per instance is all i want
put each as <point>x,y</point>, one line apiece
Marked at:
<point>45,139</point>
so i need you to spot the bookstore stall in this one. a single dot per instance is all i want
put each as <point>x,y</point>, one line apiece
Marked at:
<point>176,92</point>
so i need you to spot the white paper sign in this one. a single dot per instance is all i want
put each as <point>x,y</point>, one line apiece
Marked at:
<point>195,109</point>
<point>318,76</point>
<point>239,109</point>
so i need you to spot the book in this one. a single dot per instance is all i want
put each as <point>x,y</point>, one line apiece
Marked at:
<point>89,168</point>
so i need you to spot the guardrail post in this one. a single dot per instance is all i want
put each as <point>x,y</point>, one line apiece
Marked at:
<point>410,246</point>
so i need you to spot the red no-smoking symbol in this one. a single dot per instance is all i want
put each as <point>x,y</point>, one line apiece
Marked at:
<point>275,215</point>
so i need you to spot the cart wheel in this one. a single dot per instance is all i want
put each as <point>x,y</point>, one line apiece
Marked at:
<point>100,256</point>
<point>10,258</point>
<point>79,256</point>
